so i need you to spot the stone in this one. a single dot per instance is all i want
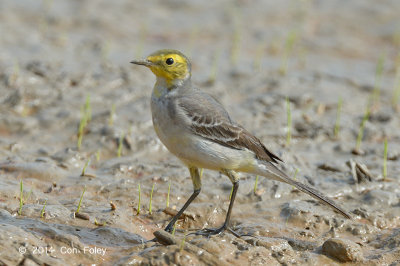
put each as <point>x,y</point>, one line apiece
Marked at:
<point>343,250</point>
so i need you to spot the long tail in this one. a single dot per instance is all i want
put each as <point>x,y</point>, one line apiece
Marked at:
<point>271,171</point>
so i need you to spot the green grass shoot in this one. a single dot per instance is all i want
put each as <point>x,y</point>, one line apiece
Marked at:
<point>378,79</point>
<point>169,190</point>
<point>86,112</point>
<point>361,129</point>
<point>201,172</point>
<point>80,200</point>
<point>88,109</point>
<point>42,212</point>
<point>140,196</point>
<point>396,89</point>
<point>289,122</point>
<point>289,44</point>
<point>183,242</point>
<point>84,167</point>
<point>173,229</point>
<point>99,224</point>
<point>21,197</point>
<point>112,114</point>
<point>151,199</point>
<point>337,122</point>
<point>120,144</point>
<point>82,125</point>
<point>287,219</point>
<point>255,185</point>
<point>385,149</point>
<point>98,155</point>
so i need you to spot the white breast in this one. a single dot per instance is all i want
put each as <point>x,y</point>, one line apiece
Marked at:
<point>166,127</point>
<point>193,150</point>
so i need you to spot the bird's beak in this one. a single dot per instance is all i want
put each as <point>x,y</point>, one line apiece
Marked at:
<point>142,62</point>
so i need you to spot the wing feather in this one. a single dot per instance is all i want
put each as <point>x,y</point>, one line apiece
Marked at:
<point>211,121</point>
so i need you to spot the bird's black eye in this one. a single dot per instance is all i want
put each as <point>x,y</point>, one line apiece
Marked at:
<point>169,61</point>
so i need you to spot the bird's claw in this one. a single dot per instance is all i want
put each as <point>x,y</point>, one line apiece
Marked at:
<point>210,231</point>
<point>216,231</point>
<point>168,229</point>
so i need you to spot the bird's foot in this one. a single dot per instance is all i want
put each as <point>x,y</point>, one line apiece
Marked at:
<point>210,231</point>
<point>215,231</point>
<point>168,228</point>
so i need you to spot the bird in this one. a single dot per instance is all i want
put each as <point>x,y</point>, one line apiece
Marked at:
<point>196,128</point>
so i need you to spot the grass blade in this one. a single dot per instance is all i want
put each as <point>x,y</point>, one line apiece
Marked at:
<point>120,144</point>
<point>361,129</point>
<point>82,125</point>
<point>385,149</point>
<point>255,184</point>
<point>112,114</point>
<point>88,108</point>
<point>151,198</point>
<point>80,200</point>
<point>337,122</point>
<point>138,207</point>
<point>169,189</point>
<point>84,167</point>
<point>98,155</point>
<point>173,229</point>
<point>21,197</point>
<point>42,212</point>
<point>182,243</point>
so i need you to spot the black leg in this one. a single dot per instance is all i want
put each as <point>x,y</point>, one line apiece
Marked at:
<point>214,231</point>
<point>228,215</point>
<point>176,217</point>
<point>196,179</point>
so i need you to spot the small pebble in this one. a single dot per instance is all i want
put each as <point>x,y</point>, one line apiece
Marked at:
<point>356,151</point>
<point>343,250</point>
<point>82,216</point>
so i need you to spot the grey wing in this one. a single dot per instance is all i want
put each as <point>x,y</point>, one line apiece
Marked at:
<point>211,121</point>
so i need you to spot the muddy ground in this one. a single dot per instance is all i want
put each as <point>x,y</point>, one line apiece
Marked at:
<point>252,55</point>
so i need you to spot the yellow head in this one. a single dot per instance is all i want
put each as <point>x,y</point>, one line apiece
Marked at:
<point>169,64</point>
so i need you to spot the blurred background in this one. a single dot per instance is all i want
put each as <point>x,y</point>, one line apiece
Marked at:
<point>247,35</point>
